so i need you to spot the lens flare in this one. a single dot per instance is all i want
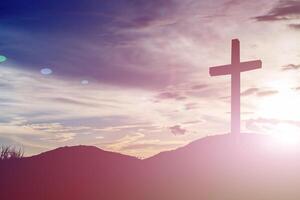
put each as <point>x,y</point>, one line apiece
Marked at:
<point>84,82</point>
<point>46,71</point>
<point>2,58</point>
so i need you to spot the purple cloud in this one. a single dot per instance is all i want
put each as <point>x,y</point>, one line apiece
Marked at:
<point>177,130</point>
<point>285,10</point>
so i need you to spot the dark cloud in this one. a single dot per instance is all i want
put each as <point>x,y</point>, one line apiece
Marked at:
<point>191,106</point>
<point>194,122</point>
<point>285,10</point>
<point>267,93</point>
<point>258,92</point>
<point>199,86</point>
<point>249,91</point>
<point>170,95</point>
<point>294,26</point>
<point>74,102</point>
<point>177,130</point>
<point>225,98</point>
<point>290,67</point>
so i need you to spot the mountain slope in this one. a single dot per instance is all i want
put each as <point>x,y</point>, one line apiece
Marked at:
<point>68,173</point>
<point>215,167</point>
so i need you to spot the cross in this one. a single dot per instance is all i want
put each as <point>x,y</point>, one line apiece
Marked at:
<point>235,69</point>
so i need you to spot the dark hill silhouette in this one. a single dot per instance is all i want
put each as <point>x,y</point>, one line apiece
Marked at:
<point>215,167</point>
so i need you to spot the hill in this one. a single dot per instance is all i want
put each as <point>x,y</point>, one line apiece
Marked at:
<point>216,167</point>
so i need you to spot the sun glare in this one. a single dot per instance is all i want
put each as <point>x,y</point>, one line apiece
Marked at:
<point>282,105</point>
<point>282,108</point>
<point>283,138</point>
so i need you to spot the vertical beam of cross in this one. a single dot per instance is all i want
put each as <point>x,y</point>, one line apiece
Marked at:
<point>235,69</point>
<point>235,87</point>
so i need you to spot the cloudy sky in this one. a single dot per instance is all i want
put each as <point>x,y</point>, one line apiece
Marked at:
<point>132,75</point>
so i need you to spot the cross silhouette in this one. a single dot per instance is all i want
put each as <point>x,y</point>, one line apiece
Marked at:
<point>235,69</point>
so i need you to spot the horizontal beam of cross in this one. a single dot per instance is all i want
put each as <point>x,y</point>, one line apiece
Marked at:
<point>229,69</point>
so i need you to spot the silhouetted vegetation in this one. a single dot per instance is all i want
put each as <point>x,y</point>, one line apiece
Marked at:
<point>10,152</point>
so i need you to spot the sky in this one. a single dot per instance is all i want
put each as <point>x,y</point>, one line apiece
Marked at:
<point>131,76</point>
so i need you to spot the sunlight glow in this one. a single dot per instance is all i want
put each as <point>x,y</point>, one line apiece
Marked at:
<point>282,112</point>
<point>283,105</point>
<point>286,138</point>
